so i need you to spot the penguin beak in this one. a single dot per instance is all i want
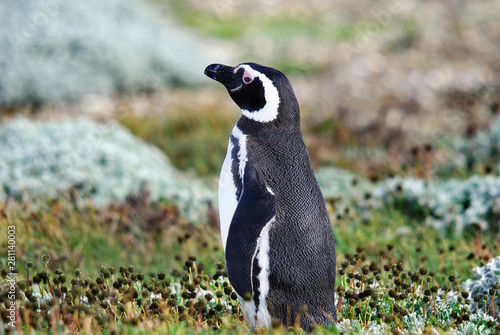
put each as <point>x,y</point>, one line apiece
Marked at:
<point>223,74</point>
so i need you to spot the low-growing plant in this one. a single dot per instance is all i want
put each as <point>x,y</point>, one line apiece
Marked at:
<point>370,298</point>
<point>403,280</point>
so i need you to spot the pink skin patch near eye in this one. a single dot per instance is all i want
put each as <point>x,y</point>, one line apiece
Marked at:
<point>247,77</point>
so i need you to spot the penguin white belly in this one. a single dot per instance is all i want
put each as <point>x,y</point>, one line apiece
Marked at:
<point>227,196</point>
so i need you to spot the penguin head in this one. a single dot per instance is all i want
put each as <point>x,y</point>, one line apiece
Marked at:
<point>264,94</point>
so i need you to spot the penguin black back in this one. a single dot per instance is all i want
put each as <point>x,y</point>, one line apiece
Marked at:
<point>276,232</point>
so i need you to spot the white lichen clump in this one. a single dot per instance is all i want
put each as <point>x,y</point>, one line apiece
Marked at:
<point>345,189</point>
<point>103,161</point>
<point>448,206</point>
<point>58,50</point>
<point>484,278</point>
<point>451,205</point>
<point>348,326</point>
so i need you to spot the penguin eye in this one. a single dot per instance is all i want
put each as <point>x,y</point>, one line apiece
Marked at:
<point>246,76</point>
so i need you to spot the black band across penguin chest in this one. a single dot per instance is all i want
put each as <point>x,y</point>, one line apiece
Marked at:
<point>235,165</point>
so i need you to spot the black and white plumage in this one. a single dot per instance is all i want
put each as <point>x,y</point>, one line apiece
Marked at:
<point>275,229</point>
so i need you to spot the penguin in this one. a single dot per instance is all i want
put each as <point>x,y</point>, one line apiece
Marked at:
<point>276,233</point>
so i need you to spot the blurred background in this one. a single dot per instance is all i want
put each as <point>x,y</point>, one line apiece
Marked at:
<point>102,100</point>
<point>378,82</point>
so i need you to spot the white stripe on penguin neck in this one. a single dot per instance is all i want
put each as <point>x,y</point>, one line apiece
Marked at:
<point>270,110</point>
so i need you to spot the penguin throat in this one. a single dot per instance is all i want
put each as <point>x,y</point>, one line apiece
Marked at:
<point>265,114</point>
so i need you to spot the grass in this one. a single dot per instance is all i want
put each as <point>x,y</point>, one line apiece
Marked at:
<point>150,248</point>
<point>138,231</point>
<point>386,262</point>
<point>228,25</point>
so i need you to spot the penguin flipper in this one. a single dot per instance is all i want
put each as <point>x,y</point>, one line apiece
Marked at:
<point>254,210</point>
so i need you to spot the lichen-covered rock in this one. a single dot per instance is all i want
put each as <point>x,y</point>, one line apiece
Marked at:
<point>449,206</point>
<point>57,49</point>
<point>345,190</point>
<point>101,160</point>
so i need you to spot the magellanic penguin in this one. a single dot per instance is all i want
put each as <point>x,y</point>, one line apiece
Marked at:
<point>276,232</point>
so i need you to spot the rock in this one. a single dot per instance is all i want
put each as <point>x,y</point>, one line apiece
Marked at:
<point>103,161</point>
